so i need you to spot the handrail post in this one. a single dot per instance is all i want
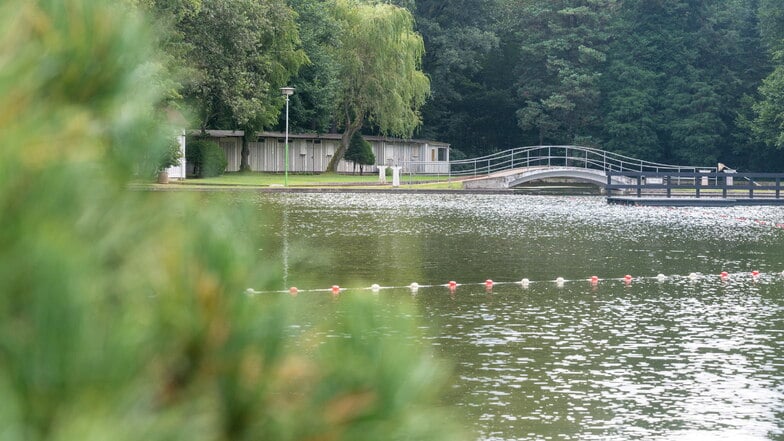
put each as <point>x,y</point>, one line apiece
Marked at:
<point>639,185</point>
<point>668,179</point>
<point>778,187</point>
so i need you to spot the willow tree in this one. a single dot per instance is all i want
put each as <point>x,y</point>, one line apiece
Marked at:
<point>380,57</point>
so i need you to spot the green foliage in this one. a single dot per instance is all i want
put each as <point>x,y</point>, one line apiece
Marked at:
<point>317,82</point>
<point>122,314</point>
<point>470,105</point>
<point>171,155</point>
<point>360,152</point>
<point>675,83</point>
<point>207,157</point>
<point>771,27</point>
<point>563,50</point>
<point>768,125</point>
<point>240,53</point>
<point>664,80</point>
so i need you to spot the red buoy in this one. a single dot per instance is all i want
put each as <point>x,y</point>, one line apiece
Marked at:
<point>755,273</point>
<point>488,283</point>
<point>335,289</point>
<point>724,274</point>
<point>293,290</point>
<point>627,278</point>
<point>594,280</point>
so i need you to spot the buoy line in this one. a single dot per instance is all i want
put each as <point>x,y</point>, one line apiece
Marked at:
<point>452,285</point>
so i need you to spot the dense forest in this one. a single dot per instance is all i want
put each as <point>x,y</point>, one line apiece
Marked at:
<point>677,81</point>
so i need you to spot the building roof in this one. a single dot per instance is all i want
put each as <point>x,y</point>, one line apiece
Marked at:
<point>330,136</point>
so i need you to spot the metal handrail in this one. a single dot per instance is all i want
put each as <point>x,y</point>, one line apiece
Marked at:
<point>550,156</point>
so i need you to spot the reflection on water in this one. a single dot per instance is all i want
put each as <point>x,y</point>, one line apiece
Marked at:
<point>681,359</point>
<point>651,361</point>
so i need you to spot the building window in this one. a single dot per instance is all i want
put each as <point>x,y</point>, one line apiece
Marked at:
<point>442,154</point>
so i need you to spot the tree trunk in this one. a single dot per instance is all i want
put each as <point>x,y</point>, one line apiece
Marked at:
<point>245,156</point>
<point>345,139</point>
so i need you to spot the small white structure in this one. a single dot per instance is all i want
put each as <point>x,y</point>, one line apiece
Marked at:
<point>311,152</point>
<point>396,176</point>
<point>382,174</point>
<point>178,171</point>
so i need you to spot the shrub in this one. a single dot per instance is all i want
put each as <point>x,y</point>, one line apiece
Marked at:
<point>122,314</point>
<point>170,156</point>
<point>360,152</point>
<point>207,158</point>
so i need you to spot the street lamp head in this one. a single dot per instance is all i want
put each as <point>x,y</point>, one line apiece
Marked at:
<point>287,91</point>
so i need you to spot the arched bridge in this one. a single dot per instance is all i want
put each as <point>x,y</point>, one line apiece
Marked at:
<point>514,167</point>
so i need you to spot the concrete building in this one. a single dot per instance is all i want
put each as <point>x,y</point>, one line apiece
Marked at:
<point>310,153</point>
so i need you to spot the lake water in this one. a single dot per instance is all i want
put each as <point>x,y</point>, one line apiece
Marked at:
<point>690,357</point>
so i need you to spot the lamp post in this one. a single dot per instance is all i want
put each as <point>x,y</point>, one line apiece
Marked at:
<point>287,92</point>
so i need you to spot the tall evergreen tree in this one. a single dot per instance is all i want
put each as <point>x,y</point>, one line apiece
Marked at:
<point>767,119</point>
<point>470,106</point>
<point>317,82</point>
<point>677,73</point>
<point>564,44</point>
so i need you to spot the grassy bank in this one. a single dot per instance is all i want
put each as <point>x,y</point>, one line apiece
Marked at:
<point>318,180</point>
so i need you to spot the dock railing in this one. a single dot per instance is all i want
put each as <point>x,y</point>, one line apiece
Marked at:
<point>737,185</point>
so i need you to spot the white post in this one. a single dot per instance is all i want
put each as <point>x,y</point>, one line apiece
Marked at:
<point>396,175</point>
<point>382,174</point>
<point>179,170</point>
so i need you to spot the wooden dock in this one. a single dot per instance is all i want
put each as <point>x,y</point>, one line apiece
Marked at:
<point>708,189</point>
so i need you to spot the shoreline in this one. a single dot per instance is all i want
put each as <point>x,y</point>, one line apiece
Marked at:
<point>336,188</point>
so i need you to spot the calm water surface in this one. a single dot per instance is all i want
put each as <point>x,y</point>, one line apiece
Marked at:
<point>688,358</point>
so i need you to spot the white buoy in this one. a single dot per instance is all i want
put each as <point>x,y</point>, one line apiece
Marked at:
<point>526,282</point>
<point>559,282</point>
<point>693,276</point>
<point>375,287</point>
<point>413,286</point>
<point>661,277</point>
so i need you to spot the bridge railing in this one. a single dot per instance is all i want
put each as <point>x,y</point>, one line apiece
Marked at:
<point>550,156</point>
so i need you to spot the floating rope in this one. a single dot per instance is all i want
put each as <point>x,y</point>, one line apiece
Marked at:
<point>525,283</point>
